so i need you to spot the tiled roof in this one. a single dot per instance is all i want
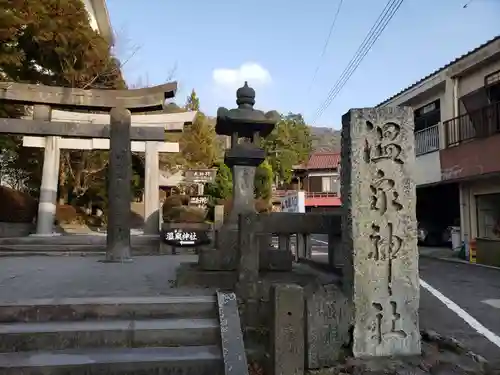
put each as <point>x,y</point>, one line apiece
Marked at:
<point>323,160</point>
<point>441,69</point>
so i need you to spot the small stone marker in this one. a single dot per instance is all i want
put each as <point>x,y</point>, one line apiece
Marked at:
<point>249,251</point>
<point>119,187</point>
<point>379,230</point>
<point>287,336</point>
<point>233,349</point>
<point>328,321</point>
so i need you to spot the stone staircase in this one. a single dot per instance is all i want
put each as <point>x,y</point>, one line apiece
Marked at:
<point>74,244</point>
<point>109,335</point>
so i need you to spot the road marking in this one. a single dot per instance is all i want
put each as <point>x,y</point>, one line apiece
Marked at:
<point>472,322</point>
<point>323,242</point>
<point>492,302</point>
<point>318,253</point>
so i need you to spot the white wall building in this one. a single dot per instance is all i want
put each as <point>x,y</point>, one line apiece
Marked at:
<point>457,136</point>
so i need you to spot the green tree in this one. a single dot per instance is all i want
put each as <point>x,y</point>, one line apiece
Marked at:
<point>198,142</point>
<point>222,187</point>
<point>51,42</point>
<point>264,181</point>
<point>193,102</point>
<point>289,144</point>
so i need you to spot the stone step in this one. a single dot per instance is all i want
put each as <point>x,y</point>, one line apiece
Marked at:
<point>16,337</point>
<point>76,239</point>
<point>192,360</point>
<point>107,308</point>
<point>69,249</point>
<point>54,248</point>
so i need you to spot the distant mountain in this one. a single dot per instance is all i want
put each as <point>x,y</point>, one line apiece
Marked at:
<point>325,139</point>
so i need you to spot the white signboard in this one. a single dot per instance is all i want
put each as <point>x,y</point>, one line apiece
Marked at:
<point>199,201</point>
<point>294,202</point>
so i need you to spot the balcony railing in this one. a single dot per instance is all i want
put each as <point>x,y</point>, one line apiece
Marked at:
<point>313,194</point>
<point>427,140</point>
<point>309,194</point>
<point>481,123</point>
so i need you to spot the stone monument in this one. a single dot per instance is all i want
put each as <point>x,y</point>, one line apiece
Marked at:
<point>119,187</point>
<point>243,159</point>
<point>379,230</point>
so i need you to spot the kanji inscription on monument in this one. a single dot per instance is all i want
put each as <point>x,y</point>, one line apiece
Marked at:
<point>379,229</point>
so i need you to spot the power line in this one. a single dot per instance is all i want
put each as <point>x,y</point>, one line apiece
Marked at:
<point>365,46</point>
<point>380,24</point>
<point>382,21</point>
<point>327,42</point>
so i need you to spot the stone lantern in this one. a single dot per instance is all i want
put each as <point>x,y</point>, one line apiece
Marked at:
<point>243,158</point>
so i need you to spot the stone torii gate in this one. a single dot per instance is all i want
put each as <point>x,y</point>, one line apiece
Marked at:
<point>119,104</point>
<point>171,122</point>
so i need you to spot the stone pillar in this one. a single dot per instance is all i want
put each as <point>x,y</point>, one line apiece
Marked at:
<point>151,186</point>
<point>119,187</point>
<point>50,177</point>
<point>378,195</point>
<point>303,245</point>
<point>248,253</point>
<point>335,255</point>
<point>284,242</point>
<point>287,336</point>
<point>243,191</point>
<point>218,216</point>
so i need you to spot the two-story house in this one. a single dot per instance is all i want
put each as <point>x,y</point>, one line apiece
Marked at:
<point>457,134</point>
<point>320,179</point>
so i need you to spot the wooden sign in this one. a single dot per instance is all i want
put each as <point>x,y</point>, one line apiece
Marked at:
<point>185,238</point>
<point>200,201</point>
<point>200,175</point>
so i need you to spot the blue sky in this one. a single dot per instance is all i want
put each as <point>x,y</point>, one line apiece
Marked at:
<point>276,44</point>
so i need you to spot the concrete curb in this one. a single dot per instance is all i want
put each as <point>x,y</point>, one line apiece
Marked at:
<point>459,261</point>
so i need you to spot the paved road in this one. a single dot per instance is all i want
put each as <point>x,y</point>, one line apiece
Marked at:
<point>475,289</point>
<point>469,287</point>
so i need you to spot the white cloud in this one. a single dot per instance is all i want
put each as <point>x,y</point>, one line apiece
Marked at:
<point>254,73</point>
